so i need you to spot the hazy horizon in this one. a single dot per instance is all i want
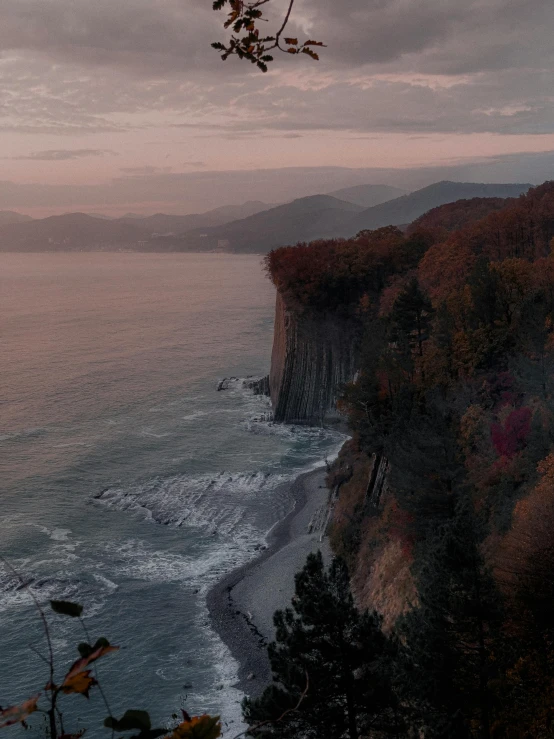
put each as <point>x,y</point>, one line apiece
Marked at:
<point>190,193</point>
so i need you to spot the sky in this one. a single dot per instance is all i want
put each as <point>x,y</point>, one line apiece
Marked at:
<point>122,105</point>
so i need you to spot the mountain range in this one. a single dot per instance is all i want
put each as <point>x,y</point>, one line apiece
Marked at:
<point>368,195</point>
<point>324,216</point>
<point>160,223</point>
<point>251,227</point>
<point>10,216</point>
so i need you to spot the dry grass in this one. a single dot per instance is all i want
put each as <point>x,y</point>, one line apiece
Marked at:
<point>371,541</point>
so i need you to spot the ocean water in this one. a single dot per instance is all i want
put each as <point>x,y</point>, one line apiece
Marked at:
<point>127,482</point>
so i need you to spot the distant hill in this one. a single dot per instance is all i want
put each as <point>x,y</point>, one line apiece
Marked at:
<point>368,195</point>
<point>84,232</point>
<point>161,223</point>
<point>324,216</point>
<point>10,216</point>
<point>304,219</point>
<point>407,208</point>
<point>70,232</point>
<point>450,217</point>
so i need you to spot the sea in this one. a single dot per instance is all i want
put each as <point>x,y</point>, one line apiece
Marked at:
<point>128,482</point>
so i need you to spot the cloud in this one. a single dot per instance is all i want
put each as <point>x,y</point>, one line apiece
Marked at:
<point>154,37</point>
<point>72,67</point>
<point>150,37</point>
<point>61,155</point>
<point>145,171</point>
<point>434,36</point>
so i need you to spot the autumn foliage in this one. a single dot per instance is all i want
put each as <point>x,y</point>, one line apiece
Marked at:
<point>456,390</point>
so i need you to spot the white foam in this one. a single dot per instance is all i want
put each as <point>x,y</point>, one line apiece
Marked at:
<point>213,502</point>
<point>148,432</point>
<point>110,586</point>
<point>222,697</point>
<point>194,416</point>
<point>60,534</point>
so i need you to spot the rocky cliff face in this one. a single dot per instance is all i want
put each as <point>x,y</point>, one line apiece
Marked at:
<point>313,355</point>
<point>367,529</point>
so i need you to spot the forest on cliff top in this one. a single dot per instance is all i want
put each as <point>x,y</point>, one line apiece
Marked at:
<point>456,393</point>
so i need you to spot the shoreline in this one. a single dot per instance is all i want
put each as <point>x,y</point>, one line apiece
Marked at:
<point>242,604</point>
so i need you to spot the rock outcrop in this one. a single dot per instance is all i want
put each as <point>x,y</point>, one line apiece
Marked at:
<point>313,355</point>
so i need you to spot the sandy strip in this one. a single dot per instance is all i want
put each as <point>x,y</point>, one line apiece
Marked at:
<point>241,606</point>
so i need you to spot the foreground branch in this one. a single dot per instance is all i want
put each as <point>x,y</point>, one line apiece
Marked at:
<point>243,17</point>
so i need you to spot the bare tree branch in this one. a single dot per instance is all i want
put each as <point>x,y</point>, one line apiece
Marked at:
<point>50,660</point>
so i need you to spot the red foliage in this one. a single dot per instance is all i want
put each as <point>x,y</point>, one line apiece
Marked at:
<point>388,296</point>
<point>510,438</point>
<point>522,229</point>
<point>338,273</point>
<point>439,222</point>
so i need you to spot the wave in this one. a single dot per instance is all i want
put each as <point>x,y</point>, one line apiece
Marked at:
<point>148,432</point>
<point>216,503</point>
<point>194,416</point>
<point>15,592</point>
<point>24,434</point>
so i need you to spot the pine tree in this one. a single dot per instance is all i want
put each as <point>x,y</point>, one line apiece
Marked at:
<point>340,655</point>
<point>412,313</point>
<point>453,638</point>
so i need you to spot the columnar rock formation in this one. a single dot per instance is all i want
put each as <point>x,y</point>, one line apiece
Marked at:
<point>313,355</point>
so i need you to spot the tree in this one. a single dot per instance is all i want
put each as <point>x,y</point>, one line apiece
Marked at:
<point>452,638</point>
<point>525,567</point>
<point>243,17</point>
<point>342,655</point>
<point>411,314</point>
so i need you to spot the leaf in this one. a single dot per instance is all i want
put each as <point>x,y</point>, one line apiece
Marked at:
<point>199,727</point>
<point>292,50</point>
<point>80,683</point>
<point>16,714</point>
<point>313,43</point>
<point>130,720</point>
<point>291,41</point>
<point>85,650</point>
<point>66,608</point>
<point>311,53</point>
<point>84,662</point>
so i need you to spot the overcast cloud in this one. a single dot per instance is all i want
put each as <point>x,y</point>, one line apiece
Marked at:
<point>138,78</point>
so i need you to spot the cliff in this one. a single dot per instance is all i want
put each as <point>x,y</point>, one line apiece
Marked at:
<point>314,353</point>
<point>366,530</point>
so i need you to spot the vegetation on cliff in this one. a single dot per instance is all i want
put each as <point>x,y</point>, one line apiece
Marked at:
<point>343,275</point>
<point>455,392</point>
<point>331,664</point>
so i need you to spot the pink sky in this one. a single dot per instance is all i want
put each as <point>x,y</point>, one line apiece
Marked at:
<point>93,93</point>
